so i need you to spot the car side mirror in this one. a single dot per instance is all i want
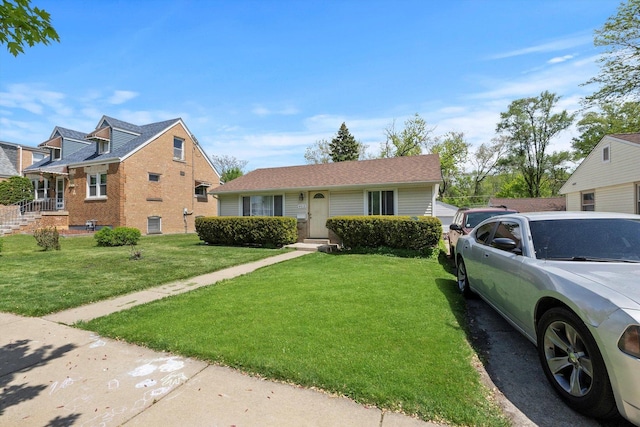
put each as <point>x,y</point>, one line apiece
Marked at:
<point>455,227</point>
<point>506,244</point>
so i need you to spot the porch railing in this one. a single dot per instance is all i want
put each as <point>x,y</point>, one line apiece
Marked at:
<point>13,213</point>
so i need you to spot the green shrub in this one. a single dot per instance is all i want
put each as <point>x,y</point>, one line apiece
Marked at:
<point>119,236</point>
<point>15,189</point>
<point>270,231</point>
<point>398,232</point>
<point>47,238</point>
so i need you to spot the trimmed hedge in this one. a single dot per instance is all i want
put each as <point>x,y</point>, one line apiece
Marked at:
<point>119,236</point>
<point>271,231</point>
<point>399,232</point>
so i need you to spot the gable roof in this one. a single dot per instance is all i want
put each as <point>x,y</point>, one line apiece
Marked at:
<point>583,172</point>
<point>629,137</point>
<point>379,172</point>
<point>532,204</point>
<point>140,137</point>
<point>6,167</point>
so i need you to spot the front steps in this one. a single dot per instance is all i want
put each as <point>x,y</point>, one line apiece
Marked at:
<point>19,224</point>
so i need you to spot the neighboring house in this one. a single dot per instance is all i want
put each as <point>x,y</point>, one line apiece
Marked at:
<point>14,158</point>
<point>608,179</point>
<point>445,214</point>
<point>532,204</point>
<point>153,177</point>
<point>314,193</point>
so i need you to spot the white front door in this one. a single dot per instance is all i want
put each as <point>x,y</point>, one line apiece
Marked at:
<point>59,193</point>
<point>318,214</point>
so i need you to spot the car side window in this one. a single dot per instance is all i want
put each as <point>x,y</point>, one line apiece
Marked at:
<point>510,230</point>
<point>484,232</point>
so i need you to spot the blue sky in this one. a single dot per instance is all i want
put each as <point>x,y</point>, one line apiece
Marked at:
<point>263,80</point>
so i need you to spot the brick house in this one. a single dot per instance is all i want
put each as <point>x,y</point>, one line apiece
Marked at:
<point>153,177</point>
<point>314,193</point>
<point>14,158</point>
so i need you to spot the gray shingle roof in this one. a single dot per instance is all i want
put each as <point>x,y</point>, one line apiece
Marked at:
<point>396,170</point>
<point>629,137</point>
<point>89,153</point>
<point>6,167</point>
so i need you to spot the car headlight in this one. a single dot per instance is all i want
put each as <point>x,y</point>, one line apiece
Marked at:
<point>630,341</point>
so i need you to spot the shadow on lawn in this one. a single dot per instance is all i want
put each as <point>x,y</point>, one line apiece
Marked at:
<point>19,357</point>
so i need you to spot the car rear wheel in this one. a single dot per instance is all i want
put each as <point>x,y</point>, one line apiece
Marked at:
<point>573,364</point>
<point>463,280</point>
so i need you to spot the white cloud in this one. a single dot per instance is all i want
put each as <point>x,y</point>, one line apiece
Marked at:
<point>552,46</point>
<point>121,96</point>
<point>559,59</point>
<point>260,110</point>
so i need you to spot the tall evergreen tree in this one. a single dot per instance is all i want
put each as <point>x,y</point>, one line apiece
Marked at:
<point>344,146</point>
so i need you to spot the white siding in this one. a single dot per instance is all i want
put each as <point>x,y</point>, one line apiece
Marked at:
<point>574,202</point>
<point>229,205</point>
<point>293,206</point>
<point>619,198</point>
<point>594,173</point>
<point>415,201</point>
<point>346,203</point>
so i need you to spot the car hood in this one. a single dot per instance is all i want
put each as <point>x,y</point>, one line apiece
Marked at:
<point>621,278</point>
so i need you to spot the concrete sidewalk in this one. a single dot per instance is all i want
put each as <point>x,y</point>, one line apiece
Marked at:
<point>55,375</point>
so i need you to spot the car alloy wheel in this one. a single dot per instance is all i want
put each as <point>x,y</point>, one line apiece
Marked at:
<point>463,280</point>
<point>573,364</point>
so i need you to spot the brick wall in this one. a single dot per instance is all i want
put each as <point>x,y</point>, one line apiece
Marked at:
<point>106,210</point>
<point>175,189</point>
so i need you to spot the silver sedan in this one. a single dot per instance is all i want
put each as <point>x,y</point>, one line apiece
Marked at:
<point>570,282</point>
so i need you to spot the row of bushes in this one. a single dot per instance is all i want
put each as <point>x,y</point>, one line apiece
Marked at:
<point>253,230</point>
<point>398,232</point>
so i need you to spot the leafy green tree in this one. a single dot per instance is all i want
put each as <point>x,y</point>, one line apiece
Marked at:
<point>21,24</point>
<point>530,125</point>
<point>231,174</point>
<point>619,76</point>
<point>557,171</point>
<point>343,146</point>
<point>15,189</point>
<point>453,151</point>
<point>415,137</point>
<point>595,125</point>
<point>485,161</point>
<point>228,167</point>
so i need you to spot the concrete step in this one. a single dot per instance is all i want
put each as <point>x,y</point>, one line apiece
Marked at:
<point>317,241</point>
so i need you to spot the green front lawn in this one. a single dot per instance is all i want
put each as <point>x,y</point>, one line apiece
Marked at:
<point>34,282</point>
<point>382,330</point>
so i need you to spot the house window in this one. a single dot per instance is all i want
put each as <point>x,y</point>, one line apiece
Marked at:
<point>40,188</point>
<point>103,147</point>
<point>154,177</point>
<point>606,154</point>
<point>36,157</point>
<point>589,201</point>
<point>97,185</point>
<point>178,149</point>
<point>201,188</point>
<point>56,153</point>
<point>154,225</point>
<point>380,203</point>
<point>262,206</point>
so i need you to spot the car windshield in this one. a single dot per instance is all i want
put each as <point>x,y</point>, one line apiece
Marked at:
<point>475,218</point>
<point>602,239</point>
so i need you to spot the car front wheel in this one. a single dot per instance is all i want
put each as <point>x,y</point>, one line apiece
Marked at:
<point>463,280</point>
<point>573,364</point>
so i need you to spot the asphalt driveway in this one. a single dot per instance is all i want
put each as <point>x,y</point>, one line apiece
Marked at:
<point>512,366</point>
